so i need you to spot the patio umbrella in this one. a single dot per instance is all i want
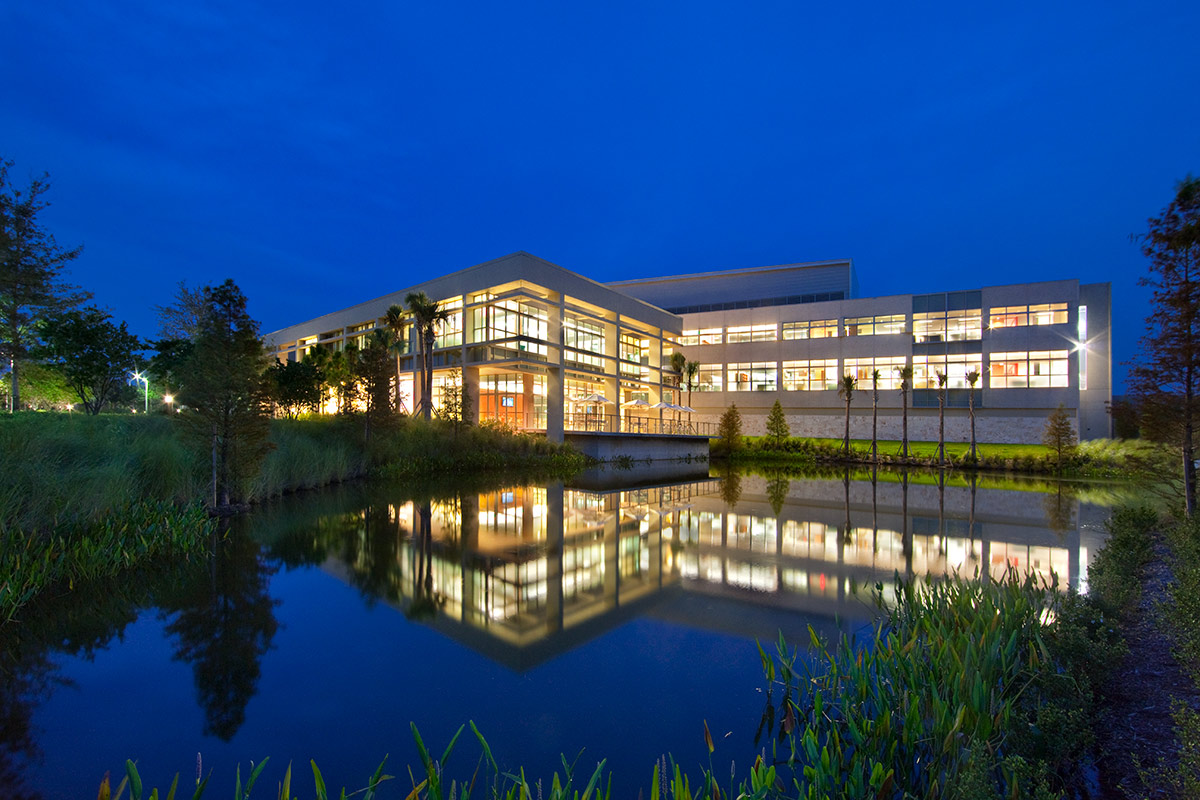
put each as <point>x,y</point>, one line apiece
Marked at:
<point>594,398</point>
<point>663,405</point>
<point>635,403</point>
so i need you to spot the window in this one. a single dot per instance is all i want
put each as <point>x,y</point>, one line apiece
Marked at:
<point>584,339</point>
<point>689,338</point>
<point>810,376</point>
<point>758,376</point>
<point>947,326</point>
<point>751,333</point>
<point>1036,370</point>
<point>1019,316</point>
<point>450,332</point>
<point>708,379</point>
<point>813,329</point>
<point>861,369</point>
<point>875,326</point>
<point>710,335</point>
<point>954,367</point>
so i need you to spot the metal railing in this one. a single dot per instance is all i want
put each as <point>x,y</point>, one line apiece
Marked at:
<point>654,426</point>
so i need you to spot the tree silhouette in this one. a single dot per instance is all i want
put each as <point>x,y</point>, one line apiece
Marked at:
<point>1165,376</point>
<point>223,625</point>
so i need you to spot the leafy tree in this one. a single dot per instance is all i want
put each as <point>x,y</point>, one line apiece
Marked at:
<point>427,316</point>
<point>1165,377</point>
<point>941,395</point>
<point>906,377</point>
<point>972,379</point>
<point>31,266</point>
<point>1059,435</point>
<point>94,354</point>
<point>42,388</point>
<point>846,387</point>
<point>226,391</point>
<point>168,364</point>
<point>295,386</point>
<point>729,429</point>
<point>777,427</point>
<point>375,379</point>
<point>456,400</point>
<point>181,319</point>
<point>343,373</point>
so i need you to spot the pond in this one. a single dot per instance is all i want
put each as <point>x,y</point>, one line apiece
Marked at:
<point>609,618</point>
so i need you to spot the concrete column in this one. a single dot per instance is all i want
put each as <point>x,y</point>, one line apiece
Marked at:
<point>554,404</point>
<point>470,382</point>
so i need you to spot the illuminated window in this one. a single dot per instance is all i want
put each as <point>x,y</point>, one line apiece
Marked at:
<point>708,379</point>
<point>710,335</point>
<point>954,367</point>
<point>875,326</point>
<point>689,338</point>
<point>810,376</point>
<point>450,332</point>
<point>757,376</point>
<point>1019,316</point>
<point>1037,369</point>
<point>861,369</point>
<point>947,326</point>
<point>813,329</point>
<point>750,333</point>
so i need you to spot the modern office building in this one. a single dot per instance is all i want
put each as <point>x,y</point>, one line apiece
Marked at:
<point>790,332</point>
<point>547,349</point>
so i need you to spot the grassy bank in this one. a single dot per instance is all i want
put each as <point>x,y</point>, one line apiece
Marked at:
<point>84,497</point>
<point>1102,458</point>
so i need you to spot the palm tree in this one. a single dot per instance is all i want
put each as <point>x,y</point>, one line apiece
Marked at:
<point>906,376</point>
<point>394,320</point>
<point>427,315</point>
<point>941,390</point>
<point>972,379</point>
<point>678,366</point>
<point>875,415</point>
<point>846,387</point>
<point>690,370</point>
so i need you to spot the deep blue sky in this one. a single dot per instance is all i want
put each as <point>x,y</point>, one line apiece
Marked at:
<point>322,156</point>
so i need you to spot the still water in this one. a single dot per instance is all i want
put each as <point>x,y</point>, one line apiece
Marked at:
<point>608,618</point>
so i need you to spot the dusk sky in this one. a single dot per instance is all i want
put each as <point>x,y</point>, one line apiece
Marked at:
<point>324,154</point>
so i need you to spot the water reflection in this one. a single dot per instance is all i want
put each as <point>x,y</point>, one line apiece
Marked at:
<point>526,572</point>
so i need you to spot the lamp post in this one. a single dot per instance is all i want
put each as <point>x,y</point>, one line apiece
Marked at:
<point>137,376</point>
<point>169,399</point>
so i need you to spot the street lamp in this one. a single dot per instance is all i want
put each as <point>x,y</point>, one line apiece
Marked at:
<point>169,399</point>
<point>137,376</point>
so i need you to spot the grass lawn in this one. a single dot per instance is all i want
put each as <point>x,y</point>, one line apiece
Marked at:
<point>954,450</point>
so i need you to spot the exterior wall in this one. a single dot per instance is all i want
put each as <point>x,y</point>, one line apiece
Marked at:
<point>1003,413</point>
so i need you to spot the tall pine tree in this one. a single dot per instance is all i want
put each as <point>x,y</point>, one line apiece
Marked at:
<point>1165,377</point>
<point>226,392</point>
<point>31,266</point>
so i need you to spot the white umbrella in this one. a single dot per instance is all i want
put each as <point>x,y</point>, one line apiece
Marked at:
<point>594,398</point>
<point>662,405</point>
<point>635,403</point>
<point>688,409</point>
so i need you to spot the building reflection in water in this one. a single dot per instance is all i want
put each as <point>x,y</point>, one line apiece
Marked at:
<point>524,573</point>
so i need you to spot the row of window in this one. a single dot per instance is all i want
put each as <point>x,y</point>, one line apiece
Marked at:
<point>1016,370</point>
<point>926,326</point>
